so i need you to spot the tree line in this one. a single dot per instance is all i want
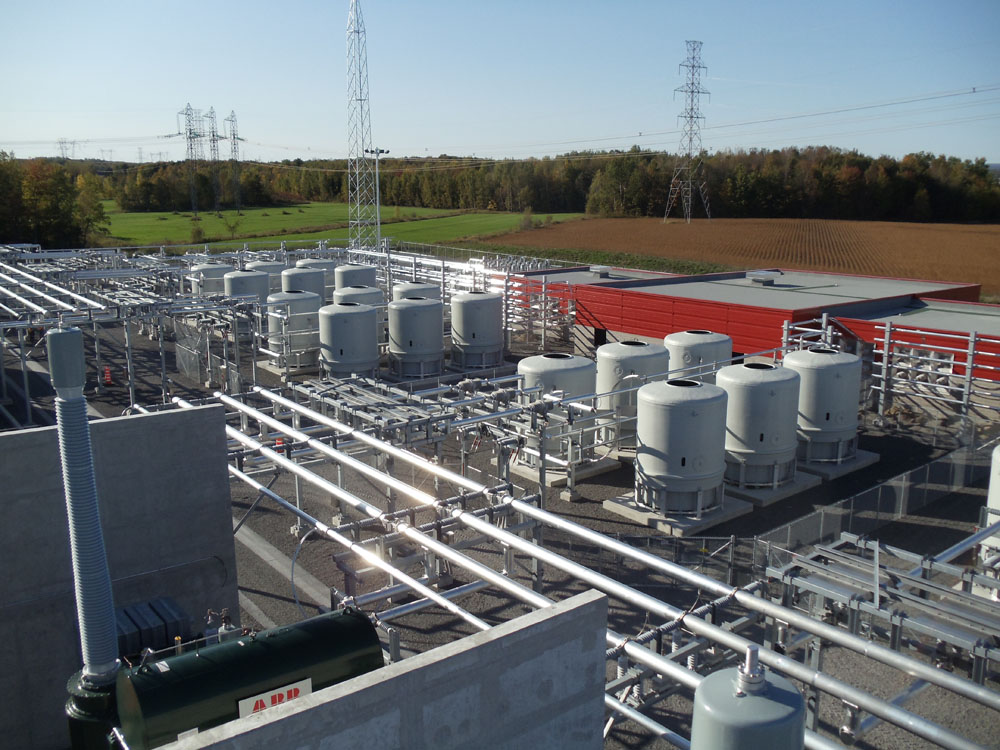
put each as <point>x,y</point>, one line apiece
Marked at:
<point>815,182</point>
<point>56,202</point>
<point>44,202</point>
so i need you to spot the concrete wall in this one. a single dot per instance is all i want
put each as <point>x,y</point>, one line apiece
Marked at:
<point>534,682</point>
<point>164,497</point>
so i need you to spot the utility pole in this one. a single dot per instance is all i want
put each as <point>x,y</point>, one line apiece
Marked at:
<point>140,154</point>
<point>378,198</point>
<point>361,187</point>
<point>213,150</point>
<point>63,145</point>
<point>234,156</point>
<point>687,172</point>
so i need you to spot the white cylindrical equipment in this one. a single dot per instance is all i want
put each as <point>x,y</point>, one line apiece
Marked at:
<point>329,271</point>
<point>567,375</point>
<point>416,331</point>
<point>363,295</point>
<point>353,274</point>
<point>293,318</point>
<point>304,280</point>
<point>348,339</point>
<point>700,351</point>
<point>748,708</point>
<point>366,295</point>
<point>761,439</point>
<point>680,446</point>
<point>272,268</point>
<point>208,278</point>
<point>829,396</point>
<point>244,283</point>
<point>407,289</point>
<point>625,364</point>
<point>476,330</point>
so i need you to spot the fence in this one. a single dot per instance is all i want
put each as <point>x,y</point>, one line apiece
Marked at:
<point>197,361</point>
<point>867,511</point>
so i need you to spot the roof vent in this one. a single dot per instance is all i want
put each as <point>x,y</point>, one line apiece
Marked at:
<point>601,272</point>
<point>763,278</point>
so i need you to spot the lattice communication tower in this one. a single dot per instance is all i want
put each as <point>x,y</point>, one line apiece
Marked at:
<point>362,208</point>
<point>689,172</point>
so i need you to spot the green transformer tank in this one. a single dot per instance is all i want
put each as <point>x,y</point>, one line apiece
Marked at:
<point>200,689</point>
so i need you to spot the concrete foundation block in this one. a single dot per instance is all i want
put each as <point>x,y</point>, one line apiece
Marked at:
<point>677,525</point>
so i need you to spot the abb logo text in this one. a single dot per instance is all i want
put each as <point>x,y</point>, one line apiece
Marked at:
<point>263,701</point>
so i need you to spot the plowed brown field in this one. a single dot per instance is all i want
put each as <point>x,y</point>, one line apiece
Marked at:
<point>941,252</point>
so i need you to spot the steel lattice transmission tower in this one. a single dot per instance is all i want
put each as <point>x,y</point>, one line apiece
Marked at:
<point>234,155</point>
<point>363,211</point>
<point>689,172</point>
<point>213,150</point>
<point>193,134</point>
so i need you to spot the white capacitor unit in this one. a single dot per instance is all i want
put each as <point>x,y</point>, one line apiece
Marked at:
<point>476,330</point>
<point>406,289</point>
<point>272,268</point>
<point>416,348</point>
<point>348,341</point>
<point>700,351</point>
<point>329,270</point>
<point>566,375</point>
<point>680,446</point>
<point>761,421</point>
<point>245,283</point>
<point>626,364</point>
<point>208,278</point>
<point>829,396</point>
<point>293,326</point>
<point>304,280</point>
<point>354,274</point>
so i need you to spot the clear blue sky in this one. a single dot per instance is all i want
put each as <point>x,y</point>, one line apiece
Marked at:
<point>502,79</point>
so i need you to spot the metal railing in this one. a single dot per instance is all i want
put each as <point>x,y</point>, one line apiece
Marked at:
<point>863,513</point>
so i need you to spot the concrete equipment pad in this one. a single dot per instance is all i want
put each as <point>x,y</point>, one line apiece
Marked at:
<point>764,496</point>
<point>558,478</point>
<point>677,525</point>
<point>829,471</point>
<point>268,366</point>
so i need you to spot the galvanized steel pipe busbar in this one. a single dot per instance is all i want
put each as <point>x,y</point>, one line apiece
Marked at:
<point>873,705</point>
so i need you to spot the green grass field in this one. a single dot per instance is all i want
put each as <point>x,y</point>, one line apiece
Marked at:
<point>442,229</point>
<point>307,221</point>
<point>157,228</point>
